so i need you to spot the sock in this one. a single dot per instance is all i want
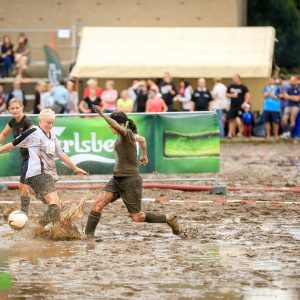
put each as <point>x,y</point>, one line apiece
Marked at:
<point>25,204</point>
<point>92,222</point>
<point>52,214</point>
<point>154,218</point>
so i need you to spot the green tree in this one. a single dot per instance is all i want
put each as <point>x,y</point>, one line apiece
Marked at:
<point>284,16</point>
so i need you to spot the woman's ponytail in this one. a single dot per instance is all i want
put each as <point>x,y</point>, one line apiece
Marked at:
<point>131,125</point>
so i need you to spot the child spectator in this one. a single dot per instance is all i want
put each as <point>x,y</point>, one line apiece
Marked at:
<point>109,97</point>
<point>155,103</point>
<point>248,120</point>
<point>21,50</point>
<point>7,56</point>
<point>124,103</point>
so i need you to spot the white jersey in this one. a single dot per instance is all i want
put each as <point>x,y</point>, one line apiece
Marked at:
<point>219,93</point>
<point>42,151</point>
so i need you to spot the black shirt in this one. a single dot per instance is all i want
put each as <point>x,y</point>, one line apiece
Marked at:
<point>141,99</point>
<point>19,128</point>
<point>201,99</point>
<point>241,91</point>
<point>166,95</point>
<point>90,102</point>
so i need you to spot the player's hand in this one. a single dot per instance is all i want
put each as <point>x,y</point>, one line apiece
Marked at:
<point>79,171</point>
<point>143,160</point>
<point>97,109</point>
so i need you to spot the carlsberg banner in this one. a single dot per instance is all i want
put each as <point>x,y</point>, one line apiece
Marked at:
<point>176,143</point>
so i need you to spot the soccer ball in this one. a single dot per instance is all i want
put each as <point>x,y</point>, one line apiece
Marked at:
<point>17,220</point>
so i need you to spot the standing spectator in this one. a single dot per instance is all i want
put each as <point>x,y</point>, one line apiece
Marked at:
<point>47,100</point>
<point>155,103</point>
<point>131,90</point>
<point>17,92</point>
<point>220,103</point>
<point>60,96</point>
<point>271,109</point>
<point>239,96</point>
<point>124,104</point>
<point>109,97</point>
<point>152,85</point>
<point>248,120</point>
<point>86,105</point>
<point>283,85</point>
<point>92,83</point>
<point>141,97</point>
<point>292,109</point>
<point>2,100</point>
<point>22,53</point>
<point>201,98</point>
<point>39,90</point>
<point>184,95</point>
<point>72,104</point>
<point>168,90</point>
<point>7,55</point>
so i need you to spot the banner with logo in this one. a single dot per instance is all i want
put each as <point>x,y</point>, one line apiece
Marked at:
<point>176,143</point>
<point>55,69</point>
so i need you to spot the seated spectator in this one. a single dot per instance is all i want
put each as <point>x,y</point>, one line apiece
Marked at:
<point>17,92</point>
<point>2,100</point>
<point>168,90</point>
<point>7,56</point>
<point>72,104</point>
<point>109,97</point>
<point>86,105</point>
<point>60,95</point>
<point>271,109</point>
<point>292,109</point>
<point>39,90</point>
<point>141,97</point>
<point>92,83</point>
<point>22,54</point>
<point>47,100</point>
<point>185,95</point>
<point>247,120</point>
<point>124,103</point>
<point>220,103</point>
<point>201,98</point>
<point>155,103</point>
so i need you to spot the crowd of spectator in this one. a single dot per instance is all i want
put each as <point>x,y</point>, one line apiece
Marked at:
<point>231,103</point>
<point>14,58</point>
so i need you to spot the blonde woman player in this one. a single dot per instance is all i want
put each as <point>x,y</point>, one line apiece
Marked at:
<point>41,173</point>
<point>17,125</point>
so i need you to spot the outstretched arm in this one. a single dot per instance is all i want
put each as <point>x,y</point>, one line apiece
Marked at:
<point>66,159</point>
<point>7,147</point>
<point>5,133</point>
<point>112,123</point>
<point>143,145</point>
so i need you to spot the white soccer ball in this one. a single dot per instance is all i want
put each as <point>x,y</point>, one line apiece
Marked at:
<point>17,220</point>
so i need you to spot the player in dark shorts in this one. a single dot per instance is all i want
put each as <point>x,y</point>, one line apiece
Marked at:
<point>17,125</point>
<point>41,173</point>
<point>126,182</point>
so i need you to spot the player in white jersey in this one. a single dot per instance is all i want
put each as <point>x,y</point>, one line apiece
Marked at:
<point>41,173</point>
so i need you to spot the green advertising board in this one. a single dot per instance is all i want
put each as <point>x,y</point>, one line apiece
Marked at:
<point>176,143</point>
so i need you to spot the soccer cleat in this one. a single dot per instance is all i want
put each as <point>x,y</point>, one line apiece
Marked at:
<point>173,223</point>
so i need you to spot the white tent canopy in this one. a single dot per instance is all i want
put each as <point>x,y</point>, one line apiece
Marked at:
<point>130,52</point>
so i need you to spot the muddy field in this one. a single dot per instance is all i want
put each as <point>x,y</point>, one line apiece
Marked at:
<point>226,251</point>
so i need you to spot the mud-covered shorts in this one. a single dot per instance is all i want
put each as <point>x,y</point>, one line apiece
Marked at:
<point>24,167</point>
<point>42,184</point>
<point>129,189</point>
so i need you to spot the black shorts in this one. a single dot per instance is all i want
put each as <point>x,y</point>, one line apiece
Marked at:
<point>129,189</point>
<point>271,116</point>
<point>42,184</point>
<point>233,113</point>
<point>24,167</point>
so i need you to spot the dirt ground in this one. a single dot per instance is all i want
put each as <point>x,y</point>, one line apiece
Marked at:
<point>232,251</point>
